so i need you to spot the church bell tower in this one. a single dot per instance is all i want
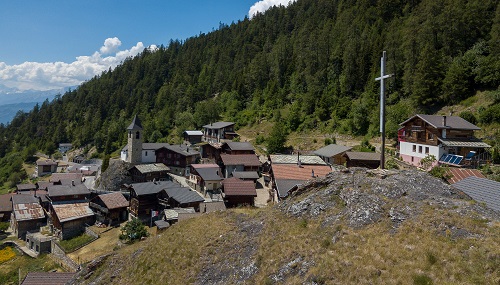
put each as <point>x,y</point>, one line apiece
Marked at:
<point>134,133</point>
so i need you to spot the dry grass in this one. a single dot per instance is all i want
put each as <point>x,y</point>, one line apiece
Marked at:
<point>9,270</point>
<point>105,244</point>
<point>420,250</point>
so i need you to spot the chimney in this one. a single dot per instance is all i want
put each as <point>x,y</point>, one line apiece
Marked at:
<point>72,182</point>
<point>444,121</point>
<point>312,172</point>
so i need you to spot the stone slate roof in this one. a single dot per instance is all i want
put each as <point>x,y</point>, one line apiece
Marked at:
<point>5,202</point>
<point>152,167</point>
<point>237,187</point>
<point>43,185</point>
<point>246,174</point>
<point>355,155</point>
<point>285,185</point>
<point>25,187</point>
<point>56,177</point>
<point>457,174</point>
<point>146,188</point>
<point>482,190</point>
<point>183,150</point>
<point>240,146</point>
<point>153,146</point>
<point>292,159</point>
<point>209,174</point>
<point>218,125</point>
<point>332,150</point>
<point>46,162</point>
<point>452,122</point>
<point>136,124</point>
<point>184,195</point>
<point>470,142</point>
<point>72,211</point>
<point>67,190</point>
<point>240,159</point>
<point>114,200</point>
<point>161,224</point>
<point>24,199</point>
<point>48,278</point>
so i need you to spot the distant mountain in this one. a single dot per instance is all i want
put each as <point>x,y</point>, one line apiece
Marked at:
<point>8,111</point>
<point>10,95</point>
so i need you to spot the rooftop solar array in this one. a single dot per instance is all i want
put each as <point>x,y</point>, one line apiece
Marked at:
<point>451,159</point>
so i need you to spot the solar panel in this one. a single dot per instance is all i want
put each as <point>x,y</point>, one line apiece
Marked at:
<point>443,157</point>
<point>448,158</point>
<point>459,159</point>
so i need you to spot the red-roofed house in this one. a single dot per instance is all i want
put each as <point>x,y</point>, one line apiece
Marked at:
<point>286,176</point>
<point>238,192</point>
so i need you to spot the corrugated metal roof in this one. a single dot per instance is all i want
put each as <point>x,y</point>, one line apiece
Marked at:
<point>482,190</point>
<point>240,159</point>
<point>72,211</point>
<point>292,159</point>
<point>48,278</point>
<point>457,174</point>
<point>114,200</point>
<point>237,187</point>
<point>194,133</point>
<point>294,172</point>
<point>218,125</point>
<point>184,195</point>
<point>28,211</point>
<point>332,150</point>
<point>152,167</point>
<point>472,142</point>
<point>354,155</point>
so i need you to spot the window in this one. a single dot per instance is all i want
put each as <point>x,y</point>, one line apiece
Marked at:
<point>426,150</point>
<point>430,136</point>
<point>137,135</point>
<point>414,148</point>
<point>419,149</point>
<point>146,154</point>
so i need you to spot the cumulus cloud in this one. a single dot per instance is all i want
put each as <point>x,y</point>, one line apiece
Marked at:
<point>263,5</point>
<point>55,75</point>
<point>110,45</point>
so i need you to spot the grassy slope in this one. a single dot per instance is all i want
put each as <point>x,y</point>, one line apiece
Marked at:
<point>417,251</point>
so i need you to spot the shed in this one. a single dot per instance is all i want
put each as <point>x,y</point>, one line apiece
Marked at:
<point>110,208</point>
<point>70,218</point>
<point>193,137</point>
<point>362,159</point>
<point>333,153</point>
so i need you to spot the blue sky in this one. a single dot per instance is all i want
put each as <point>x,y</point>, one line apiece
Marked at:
<point>54,44</point>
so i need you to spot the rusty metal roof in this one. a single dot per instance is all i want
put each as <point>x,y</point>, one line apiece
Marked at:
<point>457,174</point>
<point>72,211</point>
<point>28,211</point>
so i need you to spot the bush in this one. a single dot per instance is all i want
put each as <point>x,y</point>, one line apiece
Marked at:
<point>133,230</point>
<point>259,139</point>
<point>440,172</point>
<point>4,226</point>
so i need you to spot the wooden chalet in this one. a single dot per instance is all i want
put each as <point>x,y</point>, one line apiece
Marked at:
<point>69,218</point>
<point>238,192</point>
<point>25,187</point>
<point>45,167</point>
<point>192,137</point>
<point>144,197</point>
<point>149,172</point>
<point>219,131</point>
<point>205,177</point>
<point>71,192</point>
<point>362,159</point>
<point>5,207</point>
<point>177,158</point>
<point>110,208</point>
<point>238,148</point>
<point>333,153</point>
<point>450,139</point>
<point>239,162</point>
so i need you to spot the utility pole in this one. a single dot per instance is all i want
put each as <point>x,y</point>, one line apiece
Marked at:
<point>382,106</point>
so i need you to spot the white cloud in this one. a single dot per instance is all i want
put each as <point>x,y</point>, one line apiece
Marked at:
<point>55,75</point>
<point>110,45</point>
<point>263,5</point>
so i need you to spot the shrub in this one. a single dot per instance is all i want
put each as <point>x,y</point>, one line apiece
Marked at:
<point>259,139</point>
<point>133,230</point>
<point>422,279</point>
<point>4,226</point>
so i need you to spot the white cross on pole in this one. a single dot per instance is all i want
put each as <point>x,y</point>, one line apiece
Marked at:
<point>382,106</point>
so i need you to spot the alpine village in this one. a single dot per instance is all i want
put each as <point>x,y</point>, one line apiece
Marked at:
<point>325,142</point>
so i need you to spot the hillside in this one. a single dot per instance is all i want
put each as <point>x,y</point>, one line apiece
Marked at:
<point>351,227</point>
